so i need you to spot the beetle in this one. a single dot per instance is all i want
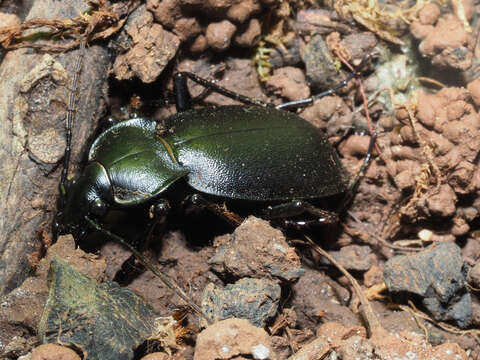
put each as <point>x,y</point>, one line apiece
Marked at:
<point>255,153</point>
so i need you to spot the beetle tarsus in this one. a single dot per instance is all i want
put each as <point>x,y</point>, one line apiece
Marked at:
<point>297,208</point>
<point>157,214</point>
<point>307,224</point>
<point>353,185</point>
<point>331,91</point>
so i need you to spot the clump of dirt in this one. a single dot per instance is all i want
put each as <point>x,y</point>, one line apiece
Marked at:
<point>444,37</point>
<point>352,343</point>
<point>200,23</point>
<point>152,48</point>
<point>231,339</point>
<point>274,259</point>
<point>53,351</point>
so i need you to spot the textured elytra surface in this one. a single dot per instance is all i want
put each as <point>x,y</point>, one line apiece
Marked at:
<point>255,153</point>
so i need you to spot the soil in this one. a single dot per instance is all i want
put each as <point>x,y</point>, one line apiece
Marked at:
<point>421,188</point>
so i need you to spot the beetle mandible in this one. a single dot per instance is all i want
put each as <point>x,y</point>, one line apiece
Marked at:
<point>256,153</point>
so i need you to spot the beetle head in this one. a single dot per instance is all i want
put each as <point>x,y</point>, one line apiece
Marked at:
<point>89,195</point>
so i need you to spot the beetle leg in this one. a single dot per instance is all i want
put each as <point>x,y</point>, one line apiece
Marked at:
<point>350,193</point>
<point>299,207</point>
<point>330,218</point>
<point>157,213</point>
<point>198,201</point>
<point>331,91</point>
<point>184,99</point>
<point>143,260</point>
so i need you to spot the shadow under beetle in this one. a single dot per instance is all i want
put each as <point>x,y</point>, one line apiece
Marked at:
<point>256,153</point>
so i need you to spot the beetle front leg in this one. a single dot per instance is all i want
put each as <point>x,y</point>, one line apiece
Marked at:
<point>299,207</point>
<point>157,214</point>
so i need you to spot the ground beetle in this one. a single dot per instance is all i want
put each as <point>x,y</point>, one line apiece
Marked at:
<point>257,153</point>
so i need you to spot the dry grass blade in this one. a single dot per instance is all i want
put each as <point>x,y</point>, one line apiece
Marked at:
<point>369,316</point>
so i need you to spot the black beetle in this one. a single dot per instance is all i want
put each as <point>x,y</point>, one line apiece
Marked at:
<point>258,153</point>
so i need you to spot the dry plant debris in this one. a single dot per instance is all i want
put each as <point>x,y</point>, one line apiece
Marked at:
<point>100,22</point>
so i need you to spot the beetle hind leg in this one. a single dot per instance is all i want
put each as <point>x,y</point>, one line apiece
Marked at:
<point>198,201</point>
<point>184,100</point>
<point>296,208</point>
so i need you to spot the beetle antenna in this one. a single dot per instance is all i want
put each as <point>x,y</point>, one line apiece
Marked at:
<point>70,117</point>
<point>332,90</point>
<point>163,277</point>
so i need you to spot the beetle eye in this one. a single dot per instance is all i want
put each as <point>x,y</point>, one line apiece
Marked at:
<point>98,207</point>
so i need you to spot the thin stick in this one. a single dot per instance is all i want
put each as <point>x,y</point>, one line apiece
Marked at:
<point>70,118</point>
<point>163,277</point>
<point>373,325</point>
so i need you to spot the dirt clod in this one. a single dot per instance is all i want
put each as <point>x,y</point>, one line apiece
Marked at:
<point>355,145</point>
<point>351,343</point>
<point>53,352</point>
<point>233,339</point>
<point>289,82</point>
<point>152,49</point>
<point>255,249</point>
<point>250,36</point>
<point>474,88</point>
<point>443,203</point>
<point>429,14</point>
<point>219,35</point>
<point>446,43</point>
<point>242,10</point>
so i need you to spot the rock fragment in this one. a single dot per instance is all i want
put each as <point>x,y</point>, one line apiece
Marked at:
<point>437,276</point>
<point>253,299</point>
